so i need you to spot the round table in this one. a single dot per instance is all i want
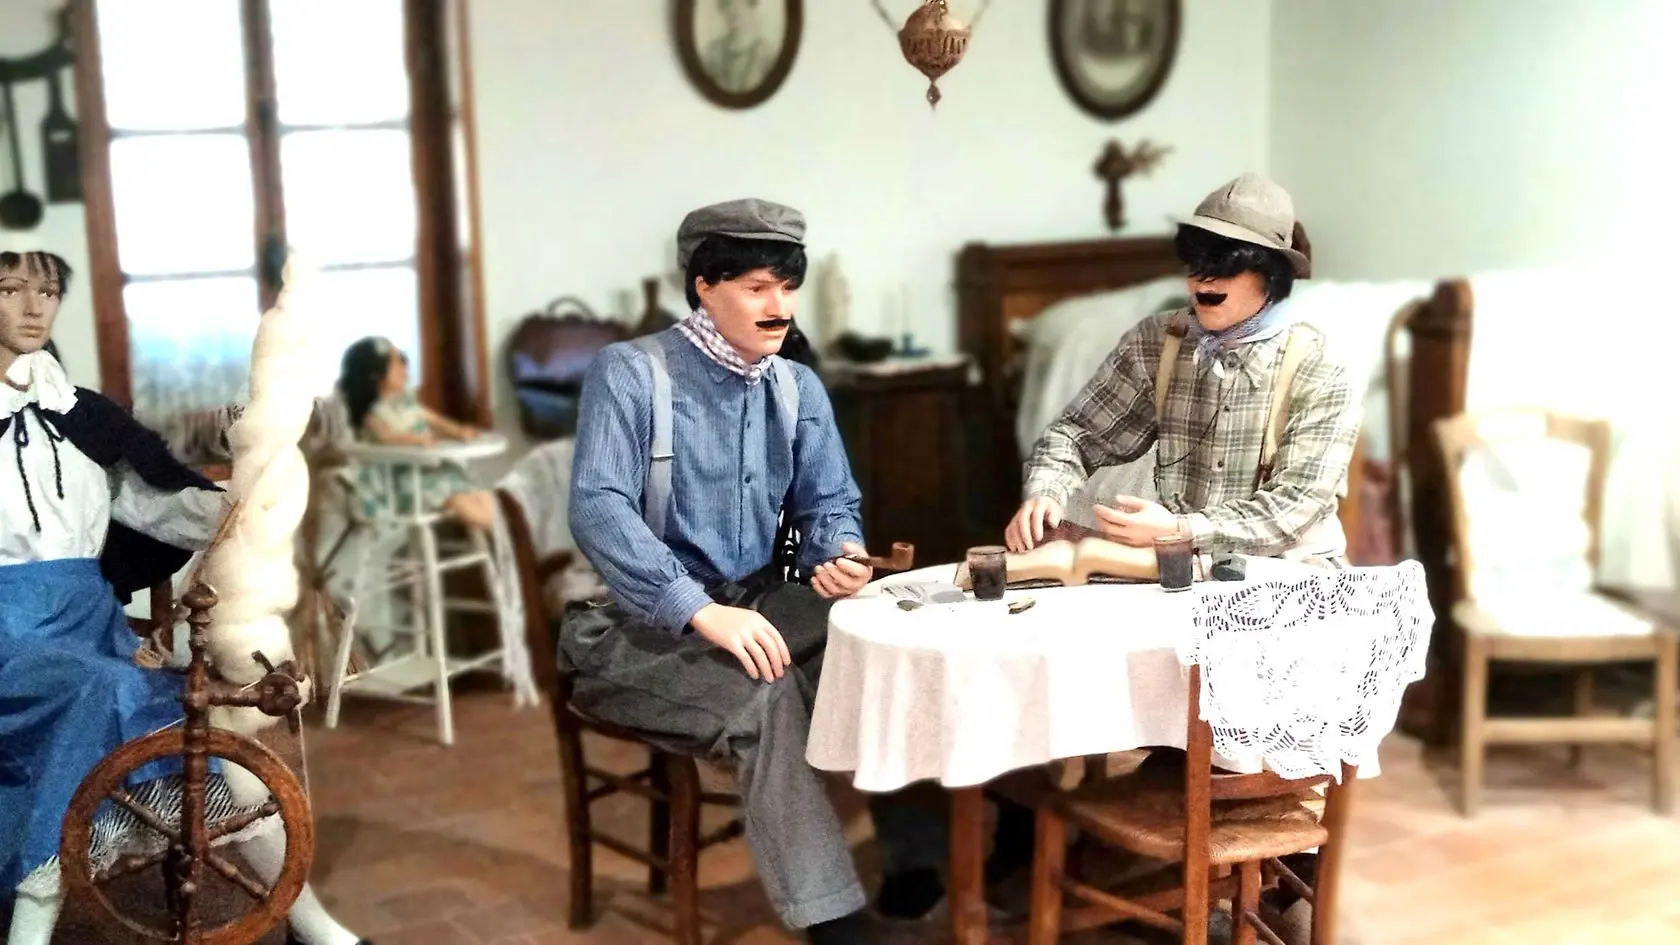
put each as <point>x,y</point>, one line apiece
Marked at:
<point>963,693</point>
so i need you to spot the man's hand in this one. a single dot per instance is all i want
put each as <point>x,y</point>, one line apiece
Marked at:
<point>746,634</point>
<point>1028,526</point>
<point>840,577</point>
<point>1134,521</point>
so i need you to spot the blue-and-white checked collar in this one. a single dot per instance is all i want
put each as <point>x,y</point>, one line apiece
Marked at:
<point>700,329</point>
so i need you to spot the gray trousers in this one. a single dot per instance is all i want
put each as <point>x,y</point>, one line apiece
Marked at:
<point>686,695</point>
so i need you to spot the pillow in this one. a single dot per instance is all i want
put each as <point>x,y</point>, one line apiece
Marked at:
<point>1525,508</point>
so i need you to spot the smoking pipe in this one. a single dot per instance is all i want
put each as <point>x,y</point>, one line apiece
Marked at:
<point>903,554</point>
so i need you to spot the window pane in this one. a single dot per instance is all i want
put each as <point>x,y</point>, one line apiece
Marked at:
<point>190,341</point>
<point>184,203</point>
<point>172,64</point>
<point>349,195</point>
<point>352,304</point>
<point>339,62</point>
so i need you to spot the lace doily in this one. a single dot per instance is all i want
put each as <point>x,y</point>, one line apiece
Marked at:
<point>118,833</point>
<point>1308,673</point>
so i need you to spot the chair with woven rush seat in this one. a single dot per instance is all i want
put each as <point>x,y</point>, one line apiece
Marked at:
<point>1360,630</point>
<point>670,782</point>
<point>1518,601</point>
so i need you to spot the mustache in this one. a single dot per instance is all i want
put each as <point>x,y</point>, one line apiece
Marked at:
<point>1210,299</point>
<point>770,323</point>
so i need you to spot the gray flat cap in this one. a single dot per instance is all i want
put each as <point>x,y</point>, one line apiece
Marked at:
<point>750,219</point>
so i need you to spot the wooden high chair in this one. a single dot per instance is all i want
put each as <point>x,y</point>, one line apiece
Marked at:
<point>1487,638</point>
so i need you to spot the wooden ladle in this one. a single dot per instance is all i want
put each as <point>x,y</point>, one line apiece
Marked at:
<point>19,209</point>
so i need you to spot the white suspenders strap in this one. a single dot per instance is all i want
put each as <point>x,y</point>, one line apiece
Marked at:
<point>1294,352</point>
<point>656,495</point>
<point>787,392</point>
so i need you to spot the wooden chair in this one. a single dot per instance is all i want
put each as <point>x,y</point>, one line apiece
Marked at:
<point>1209,822</point>
<point>670,782</point>
<point>1488,638</point>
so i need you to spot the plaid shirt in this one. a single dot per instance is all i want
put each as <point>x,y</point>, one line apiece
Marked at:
<point>1210,437</point>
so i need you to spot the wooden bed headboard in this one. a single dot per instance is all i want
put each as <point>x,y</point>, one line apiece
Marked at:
<point>1000,285</point>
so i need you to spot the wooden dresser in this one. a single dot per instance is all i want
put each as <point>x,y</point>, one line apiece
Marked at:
<point>912,438</point>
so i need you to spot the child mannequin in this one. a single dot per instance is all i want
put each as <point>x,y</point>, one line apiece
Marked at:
<point>374,384</point>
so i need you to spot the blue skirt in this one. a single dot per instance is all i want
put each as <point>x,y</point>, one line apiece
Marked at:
<point>70,693</point>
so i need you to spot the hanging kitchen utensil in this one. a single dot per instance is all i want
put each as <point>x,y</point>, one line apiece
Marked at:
<point>19,209</point>
<point>60,153</point>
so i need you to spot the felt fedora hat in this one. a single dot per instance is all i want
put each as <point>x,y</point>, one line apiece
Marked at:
<point>1256,210</point>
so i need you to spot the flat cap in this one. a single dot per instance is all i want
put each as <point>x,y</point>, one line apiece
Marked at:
<point>749,218</point>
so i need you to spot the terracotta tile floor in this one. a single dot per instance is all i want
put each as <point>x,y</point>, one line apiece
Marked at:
<point>421,845</point>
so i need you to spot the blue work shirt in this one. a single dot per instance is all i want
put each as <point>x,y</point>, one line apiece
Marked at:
<point>734,461</point>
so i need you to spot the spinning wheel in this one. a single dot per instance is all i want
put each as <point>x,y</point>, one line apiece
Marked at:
<point>187,842</point>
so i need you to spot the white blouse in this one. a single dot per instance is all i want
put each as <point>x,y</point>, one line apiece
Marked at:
<point>75,525</point>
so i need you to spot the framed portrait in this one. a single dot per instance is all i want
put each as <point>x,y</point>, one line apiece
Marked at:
<point>1113,56</point>
<point>738,52</point>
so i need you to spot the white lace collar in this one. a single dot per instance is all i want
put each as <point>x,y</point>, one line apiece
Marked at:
<point>43,381</point>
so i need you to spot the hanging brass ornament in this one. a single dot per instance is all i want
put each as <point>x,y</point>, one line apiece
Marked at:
<point>933,40</point>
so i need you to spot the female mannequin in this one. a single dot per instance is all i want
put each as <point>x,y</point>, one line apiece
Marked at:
<point>92,509</point>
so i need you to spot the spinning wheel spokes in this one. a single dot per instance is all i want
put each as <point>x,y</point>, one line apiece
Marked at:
<point>189,856</point>
<point>188,851</point>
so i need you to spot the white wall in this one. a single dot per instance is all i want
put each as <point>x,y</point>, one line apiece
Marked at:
<point>63,228</point>
<point>592,145</point>
<point>1425,138</point>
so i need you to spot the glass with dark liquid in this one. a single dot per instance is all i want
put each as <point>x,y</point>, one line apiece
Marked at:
<point>1175,559</point>
<point>988,571</point>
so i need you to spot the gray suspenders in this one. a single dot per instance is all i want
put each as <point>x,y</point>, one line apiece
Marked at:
<point>656,495</point>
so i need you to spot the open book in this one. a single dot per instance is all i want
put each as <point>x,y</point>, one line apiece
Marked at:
<point>1072,555</point>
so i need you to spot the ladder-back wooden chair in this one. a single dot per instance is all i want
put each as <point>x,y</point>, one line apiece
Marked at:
<point>1237,825</point>
<point>1497,634</point>
<point>1307,675</point>
<point>670,782</point>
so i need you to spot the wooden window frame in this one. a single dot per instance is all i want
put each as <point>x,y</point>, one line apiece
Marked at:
<point>453,352</point>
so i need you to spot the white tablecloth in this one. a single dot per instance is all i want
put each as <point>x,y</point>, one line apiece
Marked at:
<point>963,693</point>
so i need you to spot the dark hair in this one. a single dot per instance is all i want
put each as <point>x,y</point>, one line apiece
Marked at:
<point>722,258</point>
<point>361,374</point>
<point>39,262</point>
<point>1208,255</point>
<point>797,347</point>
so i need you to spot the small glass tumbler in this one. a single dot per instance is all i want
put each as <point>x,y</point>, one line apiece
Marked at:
<point>988,570</point>
<point>1175,559</point>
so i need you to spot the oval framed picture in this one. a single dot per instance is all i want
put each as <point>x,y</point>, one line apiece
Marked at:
<point>738,52</point>
<point>1113,56</point>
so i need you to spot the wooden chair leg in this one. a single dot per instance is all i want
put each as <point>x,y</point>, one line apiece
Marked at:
<point>575,789</point>
<point>1246,903</point>
<point>1664,743</point>
<point>1473,713</point>
<point>1049,861</point>
<point>1327,877</point>
<point>659,820</point>
<point>1583,708</point>
<point>684,848</point>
